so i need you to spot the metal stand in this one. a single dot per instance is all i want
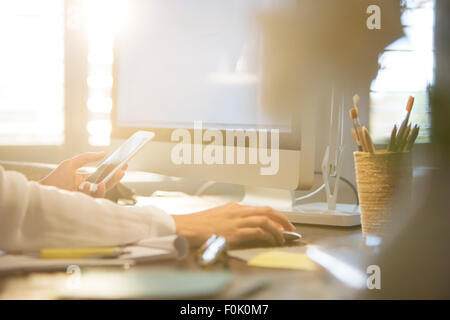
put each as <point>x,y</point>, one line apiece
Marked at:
<point>329,213</point>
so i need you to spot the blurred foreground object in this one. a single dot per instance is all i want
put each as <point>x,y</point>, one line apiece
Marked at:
<point>310,45</point>
<point>415,262</point>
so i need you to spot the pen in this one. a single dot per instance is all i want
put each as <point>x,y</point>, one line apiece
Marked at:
<point>81,253</point>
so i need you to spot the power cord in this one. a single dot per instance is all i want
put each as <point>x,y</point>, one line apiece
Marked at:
<point>349,183</point>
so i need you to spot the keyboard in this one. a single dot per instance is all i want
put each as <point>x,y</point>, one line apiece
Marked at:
<point>182,204</point>
<point>345,215</point>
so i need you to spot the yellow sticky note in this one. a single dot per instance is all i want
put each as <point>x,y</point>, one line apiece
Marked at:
<point>281,259</point>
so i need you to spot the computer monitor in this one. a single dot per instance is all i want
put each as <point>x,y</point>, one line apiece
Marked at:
<point>192,72</point>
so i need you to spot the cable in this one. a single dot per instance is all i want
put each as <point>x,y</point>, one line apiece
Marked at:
<point>309,195</point>
<point>209,184</point>
<point>352,186</point>
<point>323,186</point>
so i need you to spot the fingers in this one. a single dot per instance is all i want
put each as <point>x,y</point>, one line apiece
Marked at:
<point>80,178</point>
<point>100,192</point>
<point>267,225</point>
<point>115,179</point>
<point>269,213</point>
<point>246,235</point>
<point>97,191</point>
<point>88,157</point>
<point>86,188</point>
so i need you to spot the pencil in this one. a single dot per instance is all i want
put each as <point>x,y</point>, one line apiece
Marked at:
<point>412,138</point>
<point>362,140</point>
<point>355,138</point>
<point>354,116</point>
<point>356,107</point>
<point>409,106</point>
<point>404,124</point>
<point>358,123</point>
<point>391,144</point>
<point>368,140</point>
<point>404,139</point>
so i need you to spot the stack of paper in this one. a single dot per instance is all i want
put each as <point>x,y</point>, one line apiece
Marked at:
<point>169,247</point>
<point>24,263</point>
<point>157,249</point>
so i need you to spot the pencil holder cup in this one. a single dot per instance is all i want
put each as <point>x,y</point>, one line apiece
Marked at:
<point>384,188</point>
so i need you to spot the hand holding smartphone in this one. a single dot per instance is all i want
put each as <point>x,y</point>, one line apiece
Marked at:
<point>106,170</point>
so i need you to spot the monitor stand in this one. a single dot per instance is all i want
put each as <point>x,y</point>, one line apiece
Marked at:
<point>330,213</point>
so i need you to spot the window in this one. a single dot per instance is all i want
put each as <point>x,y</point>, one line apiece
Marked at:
<point>103,19</point>
<point>32,72</point>
<point>407,68</point>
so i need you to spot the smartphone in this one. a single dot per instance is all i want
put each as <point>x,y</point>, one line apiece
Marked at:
<point>106,170</point>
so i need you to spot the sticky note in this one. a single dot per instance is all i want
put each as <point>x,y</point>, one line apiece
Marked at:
<point>281,259</point>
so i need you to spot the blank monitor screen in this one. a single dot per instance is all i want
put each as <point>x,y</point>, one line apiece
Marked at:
<point>181,61</point>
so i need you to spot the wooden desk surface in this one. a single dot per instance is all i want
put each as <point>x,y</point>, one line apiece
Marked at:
<point>283,284</point>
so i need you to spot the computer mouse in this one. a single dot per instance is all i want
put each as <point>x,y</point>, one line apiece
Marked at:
<point>291,236</point>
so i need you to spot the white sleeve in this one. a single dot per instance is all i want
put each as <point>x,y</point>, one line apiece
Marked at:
<point>33,216</point>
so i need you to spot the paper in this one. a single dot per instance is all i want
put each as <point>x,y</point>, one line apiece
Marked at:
<point>177,246</point>
<point>141,254</point>
<point>285,260</point>
<point>24,263</point>
<point>157,249</point>
<point>145,250</point>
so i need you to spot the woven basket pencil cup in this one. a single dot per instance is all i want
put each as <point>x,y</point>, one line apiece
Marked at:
<point>384,187</point>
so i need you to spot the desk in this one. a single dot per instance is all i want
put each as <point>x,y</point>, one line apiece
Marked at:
<point>285,284</point>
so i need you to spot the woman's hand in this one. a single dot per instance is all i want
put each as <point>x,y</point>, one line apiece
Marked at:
<point>67,177</point>
<point>239,224</point>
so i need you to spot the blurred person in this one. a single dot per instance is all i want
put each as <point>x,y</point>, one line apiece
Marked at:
<point>317,51</point>
<point>414,261</point>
